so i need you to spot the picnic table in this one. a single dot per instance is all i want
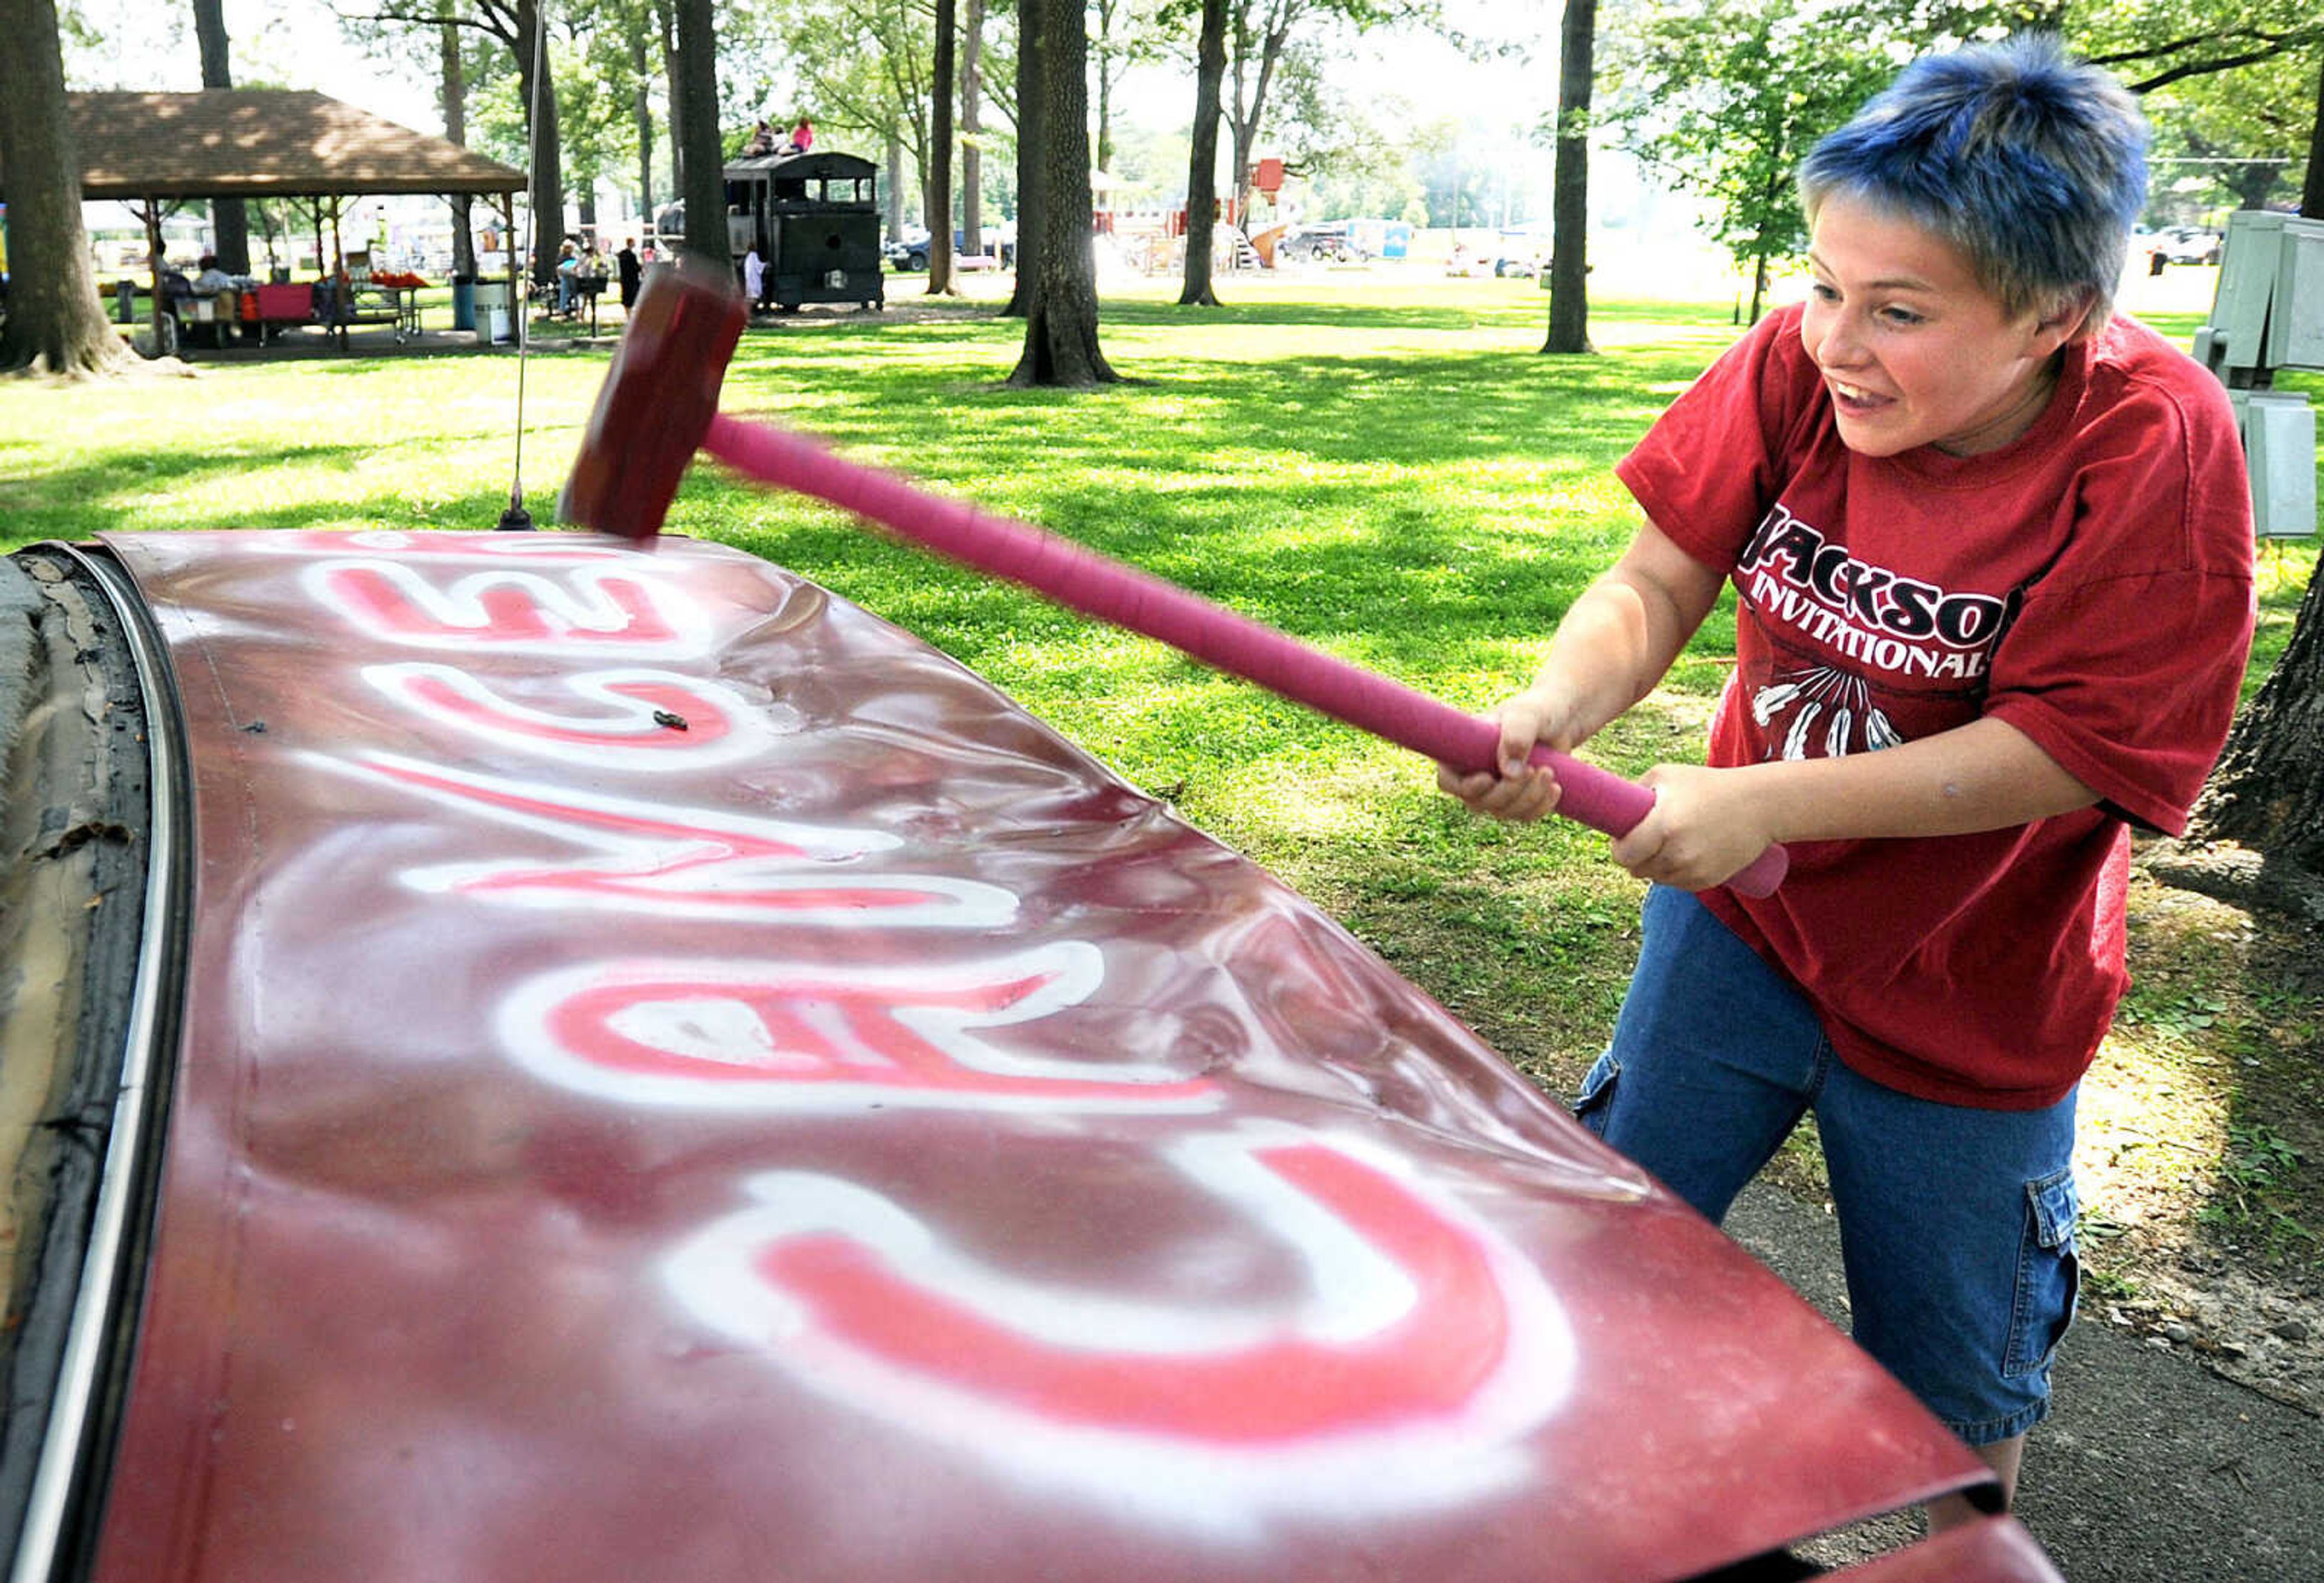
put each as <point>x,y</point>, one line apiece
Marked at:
<point>392,302</point>
<point>262,311</point>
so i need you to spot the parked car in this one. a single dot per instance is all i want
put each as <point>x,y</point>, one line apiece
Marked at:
<point>996,247</point>
<point>908,250</point>
<point>2187,244</point>
<point>1523,250</point>
<point>1332,241</point>
<point>531,1058</point>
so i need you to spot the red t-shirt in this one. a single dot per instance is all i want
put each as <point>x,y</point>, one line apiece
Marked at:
<point>2090,583</point>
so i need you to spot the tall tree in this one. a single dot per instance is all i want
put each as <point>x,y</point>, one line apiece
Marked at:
<point>640,41</point>
<point>1031,132</point>
<point>56,323</point>
<point>1723,98</point>
<point>2152,44</point>
<point>518,26</point>
<point>1061,347</point>
<point>451,98</point>
<point>866,66</point>
<point>704,186</point>
<point>895,147</point>
<point>1203,160</point>
<point>940,146</point>
<point>597,86</point>
<point>1259,33</point>
<point>2311,193</point>
<point>2268,792</point>
<point>665,15</point>
<point>229,219</point>
<point>972,127</point>
<point>1569,259</point>
<point>1127,34</point>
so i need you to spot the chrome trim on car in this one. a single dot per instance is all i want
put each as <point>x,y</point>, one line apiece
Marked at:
<point>107,1289</point>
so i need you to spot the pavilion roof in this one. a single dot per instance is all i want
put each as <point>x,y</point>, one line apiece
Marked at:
<point>263,143</point>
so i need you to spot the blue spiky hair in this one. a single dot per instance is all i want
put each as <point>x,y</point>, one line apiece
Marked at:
<point>2033,165</point>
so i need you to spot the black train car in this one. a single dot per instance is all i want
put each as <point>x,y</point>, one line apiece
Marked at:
<point>815,219</point>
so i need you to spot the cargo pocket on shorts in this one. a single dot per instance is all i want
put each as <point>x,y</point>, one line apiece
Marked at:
<point>1596,1094</point>
<point>2049,1275</point>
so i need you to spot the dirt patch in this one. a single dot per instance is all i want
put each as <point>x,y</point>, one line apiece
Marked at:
<point>2201,1148</point>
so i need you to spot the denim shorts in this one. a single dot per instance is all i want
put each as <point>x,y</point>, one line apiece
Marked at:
<point>1956,1225</point>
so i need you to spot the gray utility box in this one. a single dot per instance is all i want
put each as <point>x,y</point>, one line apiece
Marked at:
<point>815,219</point>
<point>2269,315</point>
<point>2279,430</point>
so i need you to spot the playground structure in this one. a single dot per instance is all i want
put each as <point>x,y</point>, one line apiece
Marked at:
<point>1151,239</point>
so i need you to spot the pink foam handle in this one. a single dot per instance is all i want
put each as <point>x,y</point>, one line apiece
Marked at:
<point>1090,583</point>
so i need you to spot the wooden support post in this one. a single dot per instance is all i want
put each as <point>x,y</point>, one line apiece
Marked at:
<point>152,217</point>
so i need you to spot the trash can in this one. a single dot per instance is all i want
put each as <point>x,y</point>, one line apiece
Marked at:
<point>491,310</point>
<point>464,303</point>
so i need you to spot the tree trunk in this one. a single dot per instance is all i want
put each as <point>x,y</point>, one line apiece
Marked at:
<point>1061,346</point>
<point>1569,254</point>
<point>547,194</point>
<point>642,111</point>
<point>229,217</point>
<point>2254,185</point>
<point>1203,162</point>
<point>673,79</point>
<point>56,321</point>
<point>705,187</point>
<point>454,105</point>
<point>939,197</point>
<point>2267,792</point>
<point>972,123</point>
<point>1244,117</point>
<point>1106,73</point>
<point>895,185</point>
<point>2311,191</point>
<point>1023,296</point>
<point>151,211</point>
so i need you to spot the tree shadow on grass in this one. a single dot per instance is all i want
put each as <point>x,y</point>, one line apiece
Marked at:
<point>114,494</point>
<point>1385,411</point>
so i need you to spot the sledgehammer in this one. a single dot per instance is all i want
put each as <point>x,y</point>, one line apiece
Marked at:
<point>660,405</point>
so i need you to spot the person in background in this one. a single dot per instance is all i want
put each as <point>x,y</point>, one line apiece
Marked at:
<point>626,262</point>
<point>802,137</point>
<point>213,280</point>
<point>224,291</point>
<point>1991,545</point>
<point>589,274</point>
<point>754,275</point>
<point>568,266</point>
<point>761,142</point>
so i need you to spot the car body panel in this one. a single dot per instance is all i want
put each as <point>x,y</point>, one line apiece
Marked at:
<point>680,1080</point>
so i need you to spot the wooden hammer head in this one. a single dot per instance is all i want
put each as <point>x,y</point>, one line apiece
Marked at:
<point>658,401</point>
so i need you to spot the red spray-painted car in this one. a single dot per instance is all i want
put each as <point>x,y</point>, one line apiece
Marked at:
<point>566,1062</point>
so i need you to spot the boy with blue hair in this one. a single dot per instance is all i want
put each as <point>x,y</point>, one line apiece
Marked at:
<point>1991,547</point>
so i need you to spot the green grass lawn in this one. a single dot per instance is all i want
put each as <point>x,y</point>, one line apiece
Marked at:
<point>1387,469</point>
